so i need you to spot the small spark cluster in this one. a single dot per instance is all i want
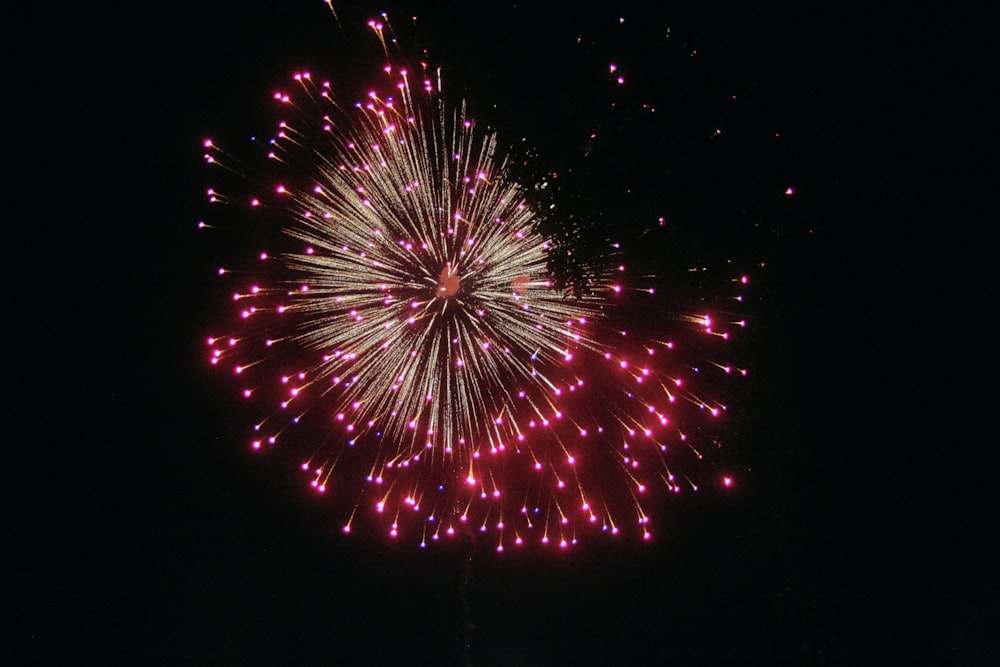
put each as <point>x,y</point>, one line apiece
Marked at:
<point>410,345</point>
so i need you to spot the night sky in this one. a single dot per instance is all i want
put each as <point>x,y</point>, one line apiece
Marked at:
<point>142,531</point>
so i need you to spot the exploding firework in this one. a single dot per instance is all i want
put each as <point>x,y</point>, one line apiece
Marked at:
<point>408,341</point>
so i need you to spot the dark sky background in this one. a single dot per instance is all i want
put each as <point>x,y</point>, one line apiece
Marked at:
<point>140,531</point>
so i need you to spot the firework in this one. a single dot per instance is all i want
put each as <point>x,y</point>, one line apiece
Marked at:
<point>407,339</point>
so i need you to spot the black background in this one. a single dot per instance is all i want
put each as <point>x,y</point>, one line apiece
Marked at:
<point>141,532</point>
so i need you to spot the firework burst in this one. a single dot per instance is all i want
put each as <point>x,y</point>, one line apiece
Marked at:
<point>407,338</point>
